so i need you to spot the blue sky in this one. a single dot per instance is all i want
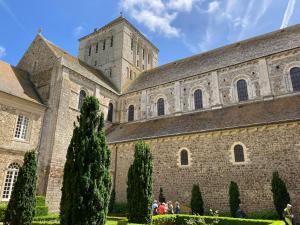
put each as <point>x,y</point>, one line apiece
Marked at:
<point>179,28</point>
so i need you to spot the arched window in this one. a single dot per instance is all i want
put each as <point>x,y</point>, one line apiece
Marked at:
<point>10,179</point>
<point>110,112</point>
<point>131,113</point>
<point>242,90</point>
<point>82,95</point>
<point>295,78</point>
<point>239,153</point>
<point>184,158</point>
<point>160,107</point>
<point>198,99</point>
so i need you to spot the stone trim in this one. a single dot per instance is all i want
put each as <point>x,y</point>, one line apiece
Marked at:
<point>179,158</point>
<point>250,88</point>
<point>205,97</point>
<point>245,151</point>
<point>287,75</point>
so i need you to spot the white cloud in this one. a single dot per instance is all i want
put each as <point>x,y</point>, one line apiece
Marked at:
<point>158,15</point>
<point>181,5</point>
<point>2,52</point>
<point>213,6</point>
<point>78,30</point>
<point>288,13</point>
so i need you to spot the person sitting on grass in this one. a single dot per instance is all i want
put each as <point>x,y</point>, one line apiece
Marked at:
<point>154,207</point>
<point>170,208</point>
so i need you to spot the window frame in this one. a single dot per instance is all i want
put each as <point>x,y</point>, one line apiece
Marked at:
<point>110,112</point>
<point>295,81</point>
<point>130,113</point>
<point>179,158</point>
<point>242,91</point>
<point>80,99</point>
<point>245,152</point>
<point>160,103</point>
<point>14,175</point>
<point>21,132</point>
<point>197,100</point>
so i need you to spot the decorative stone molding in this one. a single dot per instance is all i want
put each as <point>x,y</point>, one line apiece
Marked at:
<point>245,151</point>
<point>250,88</point>
<point>179,158</point>
<point>287,76</point>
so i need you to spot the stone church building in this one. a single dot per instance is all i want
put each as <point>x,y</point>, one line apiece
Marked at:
<point>230,114</point>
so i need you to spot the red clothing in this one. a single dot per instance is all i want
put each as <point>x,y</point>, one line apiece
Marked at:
<point>162,209</point>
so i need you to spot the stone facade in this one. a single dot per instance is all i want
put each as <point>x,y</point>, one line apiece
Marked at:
<point>268,148</point>
<point>118,65</point>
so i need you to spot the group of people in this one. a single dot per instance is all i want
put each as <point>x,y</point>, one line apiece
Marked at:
<point>159,208</point>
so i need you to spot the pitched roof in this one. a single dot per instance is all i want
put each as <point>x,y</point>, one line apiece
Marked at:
<point>264,112</point>
<point>233,54</point>
<point>84,68</point>
<point>120,19</point>
<point>16,82</point>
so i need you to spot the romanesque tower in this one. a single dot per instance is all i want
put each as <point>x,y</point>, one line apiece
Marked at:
<point>120,51</point>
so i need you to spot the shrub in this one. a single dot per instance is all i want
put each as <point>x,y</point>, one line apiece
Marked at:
<point>197,201</point>
<point>264,215</point>
<point>234,198</point>
<point>40,200</point>
<point>161,196</point>
<point>112,201</point>
<point>120,209</point>
<point>139,185</point>
<point>86,182</point>
<point>21,206</point>
<point>41,210</point>
<point>183,220</point>
<point>281,196</point>
<point>47,218</point>
<point>3,207</point>
<point>45,223</point>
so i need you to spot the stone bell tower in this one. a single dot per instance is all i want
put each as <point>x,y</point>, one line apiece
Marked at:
<point>120,51</point>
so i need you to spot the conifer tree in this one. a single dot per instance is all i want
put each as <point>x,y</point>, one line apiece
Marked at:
<point>161,197</point>
<point>281,196</point>
<point>21,206</point>
<point>86,183</point>
<point>234,198</point>
<point>197,201</point>
<point>139,185</point>
<point>112,201</point>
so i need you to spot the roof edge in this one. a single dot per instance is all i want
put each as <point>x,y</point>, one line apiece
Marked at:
<point>116,21</point>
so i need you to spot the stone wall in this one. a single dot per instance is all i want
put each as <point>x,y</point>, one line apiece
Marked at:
<point>268,148</point>
<point>12,150</point>
<point>266,77</point>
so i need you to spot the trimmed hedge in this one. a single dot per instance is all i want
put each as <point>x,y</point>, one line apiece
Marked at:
<point>178,220</point>
<point>45,222</point>
<point>41,211</point>
<point>264,215</point>
<point>182,220</point>
<point>119,210</point>
<point>40,200</point>
<point>52,217</point>
<point>3,207</point>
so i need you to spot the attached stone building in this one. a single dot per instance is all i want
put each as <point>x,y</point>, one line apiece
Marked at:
<point>230,114</point>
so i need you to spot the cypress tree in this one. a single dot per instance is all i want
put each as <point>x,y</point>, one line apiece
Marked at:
<point>197,201</point>
<point>281,196</point>
<point>161,197</point>
<point>86,183</point>
<point>21,206</point>
<point>234,198</point>
<point>112,201</point>
<point>139,185</point>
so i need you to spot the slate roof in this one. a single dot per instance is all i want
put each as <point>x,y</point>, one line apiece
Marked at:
<point>16,82</point>
<point>233,54</point>
<point>84,68</point>
<point>264,112</point>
